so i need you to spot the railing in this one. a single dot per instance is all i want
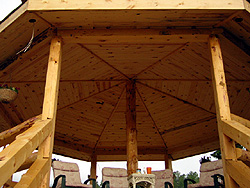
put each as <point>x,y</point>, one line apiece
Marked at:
<point>19,151</point>
<point>37,132</point>
<point>238,129</point>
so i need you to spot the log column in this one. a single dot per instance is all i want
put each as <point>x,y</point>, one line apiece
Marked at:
<point>132,152</point>
<point>222,106</point>
<point>50,101</point>
<point>168,162</point>
<point>93,166</point>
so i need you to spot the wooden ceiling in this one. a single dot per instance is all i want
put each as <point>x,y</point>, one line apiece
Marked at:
<point>174,96</point>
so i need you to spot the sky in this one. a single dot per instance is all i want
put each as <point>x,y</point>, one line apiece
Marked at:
<point>184,166</point>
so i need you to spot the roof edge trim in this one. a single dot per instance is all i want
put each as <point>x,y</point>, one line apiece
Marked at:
<point>39,5</point>
<point>9,19</point>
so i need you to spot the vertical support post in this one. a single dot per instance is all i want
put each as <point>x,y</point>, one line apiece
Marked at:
<point>93,166</point>
<point>50,101</point>
<point>168,162</point>
<point>222,106</point>
<point>132,151</point>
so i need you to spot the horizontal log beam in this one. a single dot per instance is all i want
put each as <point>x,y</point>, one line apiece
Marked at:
<point>241,120</point>
<point>243,156</point>
<point>237,132</point>
<point>35,174</point>
<point>122,151</point>
<point>73,150</point>
<point>239,172</point>
<point>136,36</point>
<point>71,145</point>
<point>9,135</point>
<point>194,148</point>
<point>35,5</point>
<point>12,157</point>
<point>151,157</point>
<point>29,161</point>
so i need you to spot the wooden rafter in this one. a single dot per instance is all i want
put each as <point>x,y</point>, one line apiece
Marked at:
<point>236,13</point>
<point>122,151</point>
<point>172,96</point>
<point>82,46</point>
<point>18,114</point>
<point>137,36</point>
<point>157,128</point>
<point>160,60</point>
<point>7,117</point>
<point>192,80</point>
<point>90,96</point>
<point>84,152</point>
<point>189,149</point>
<point>109,118</point>
<point>236,41</point>
<point>189,124</point>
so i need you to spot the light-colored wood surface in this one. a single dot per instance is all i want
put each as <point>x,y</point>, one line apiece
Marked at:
<point>35,175</point>
<point>137,36</point>
<point>138,4</point>
<point>29,161</point>
<point>9,135</point>
<point>174,96</point>
<point>227,145</point>
<point>239,171</point>
<point>17,152</point>
<point>131,129</point>
<point>243,156</point>
<point>50,107</point>
<point>237,132</point>
<point>240,120</point>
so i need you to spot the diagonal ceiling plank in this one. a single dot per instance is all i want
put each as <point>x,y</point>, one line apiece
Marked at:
<point>136,36</point>
<point>82,46</point>
<point>5,116</point>
<point>89,96</point>
<point>155,63</point>
<point>110,117</point>
<point>179,99</point>
<point>144,105</point>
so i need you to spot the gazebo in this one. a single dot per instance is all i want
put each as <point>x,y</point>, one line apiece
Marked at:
<point>129,80</point>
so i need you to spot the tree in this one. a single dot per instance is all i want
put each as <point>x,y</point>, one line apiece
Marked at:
<point>179,178</point>
<point>194,176</point>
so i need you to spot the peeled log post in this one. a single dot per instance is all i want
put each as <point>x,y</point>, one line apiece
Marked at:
<point>168,162</point>
<point>132,152</point>
<point>93,166</point>
<point>222,106</point>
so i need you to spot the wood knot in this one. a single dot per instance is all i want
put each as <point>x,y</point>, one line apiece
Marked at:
<point>222,83</point>
<point>2,158</point>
